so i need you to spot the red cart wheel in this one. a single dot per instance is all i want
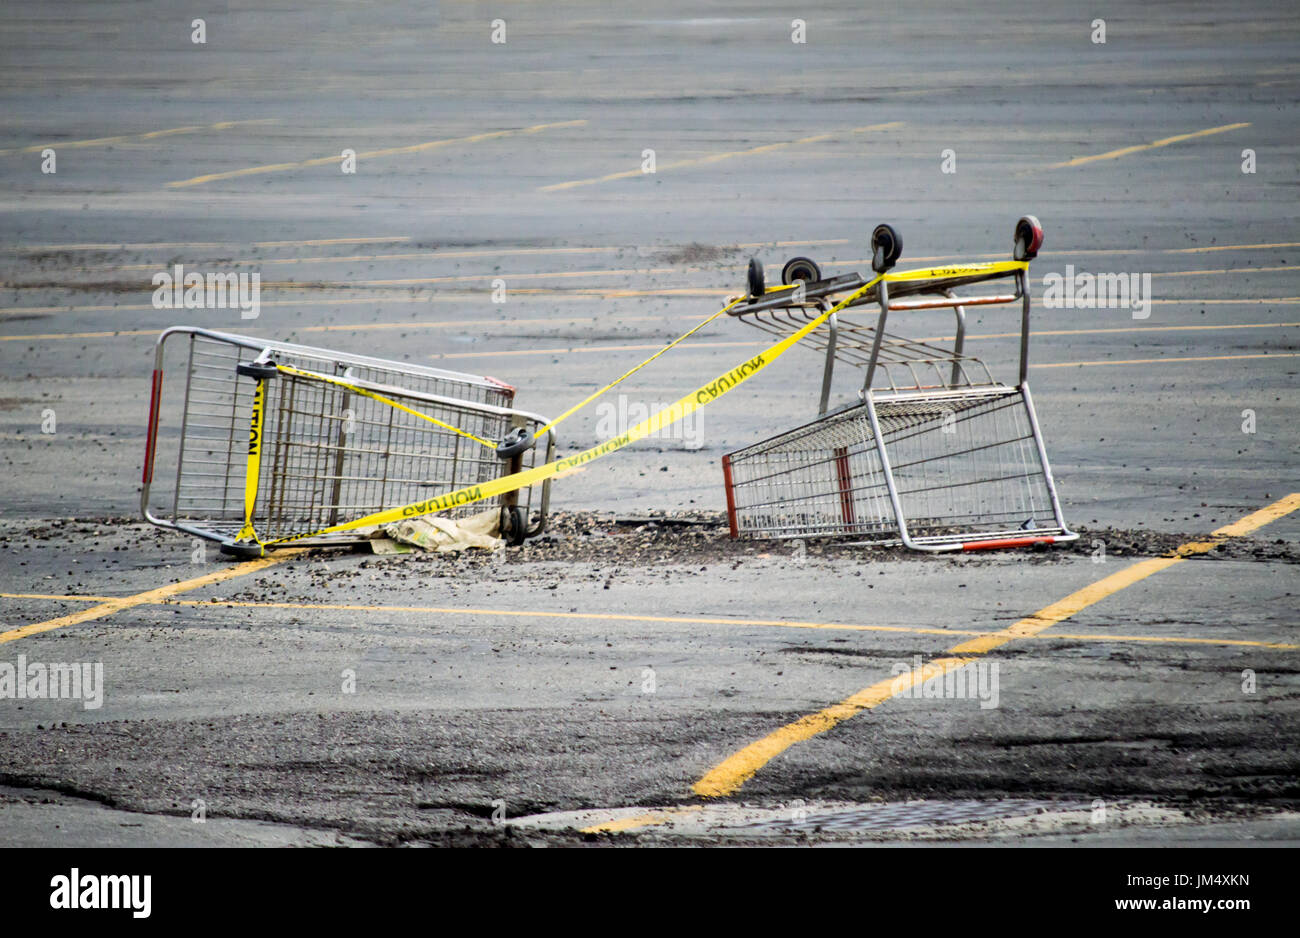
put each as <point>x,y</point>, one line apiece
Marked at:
<point>1029,238</point>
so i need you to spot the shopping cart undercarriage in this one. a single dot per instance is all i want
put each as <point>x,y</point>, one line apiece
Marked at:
<point>936,455</point>
<point>276,443</point>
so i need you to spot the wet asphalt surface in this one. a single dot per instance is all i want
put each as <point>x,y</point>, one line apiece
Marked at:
<point>511,684</point>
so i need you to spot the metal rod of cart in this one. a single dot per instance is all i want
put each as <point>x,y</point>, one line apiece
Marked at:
<point>338,437</point>
<point>937,455</point>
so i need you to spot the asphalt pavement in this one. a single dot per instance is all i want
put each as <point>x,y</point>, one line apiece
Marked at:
<point>501,221</point>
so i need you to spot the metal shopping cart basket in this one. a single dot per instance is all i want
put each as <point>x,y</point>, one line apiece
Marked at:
<point>337,438</point>
<point>937,455</point>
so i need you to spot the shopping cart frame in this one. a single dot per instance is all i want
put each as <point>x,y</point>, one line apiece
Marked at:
<point>474,403</point>
<point>945,385</point>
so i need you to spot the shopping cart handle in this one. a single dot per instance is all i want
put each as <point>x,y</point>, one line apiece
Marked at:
<point>810,293</point>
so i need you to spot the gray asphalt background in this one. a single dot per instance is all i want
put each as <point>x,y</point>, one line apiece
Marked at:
<point>240,705</point>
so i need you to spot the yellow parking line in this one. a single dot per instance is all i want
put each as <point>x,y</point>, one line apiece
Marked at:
<point>449,255</point>
<point>1263,300</point>
<point>1232,247</point>
<point>479,323</point>
<point>61,597</point>
<point>1230,270</point>
<point>110,606</point>
<point>670,620</point>
<point>1052,332</point>
<point>363,258</point>
<point>1164,361</point>
<point>592,349</point>
<point>402,296</point>
<point>370,154</point>
<point>172,245</point>
<point>719,157</point>
<point>1125,151</point>
<point>728,776</point>
<point>481,278</point>
<point>597,349</point>
<point>660,816</point>
<point>1162,273</point>
<point>126,138</point>
<point>486,278</point>
<point>609,249</point>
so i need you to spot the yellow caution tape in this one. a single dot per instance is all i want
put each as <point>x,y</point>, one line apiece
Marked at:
<point>688,404</point>
<point>252,472</point>
<point>681,338</point>
<point>298,372</point>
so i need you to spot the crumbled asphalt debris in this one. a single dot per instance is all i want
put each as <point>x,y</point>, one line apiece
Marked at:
<point>681,538</point>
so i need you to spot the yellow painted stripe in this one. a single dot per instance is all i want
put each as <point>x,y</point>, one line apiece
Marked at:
<point>1163,273</point>
<point>1164,361</point>
<point>1073,252</point>
<point>581,349</point>
<point>1125,151</point>
<point>61,597</point>
<point>729,775</point>
<point>1227,270</point>
<point>577,350</point>
<point>719,157</point>
<point>445,255</point>
<point>672,620</point>
<point>608,249</point>
<point>482,278</point>
<point>127,138</point>
<point>661,816</point>
<point>1104,637</point>
<point>486,278</point>
<point>1050,332</point>
<point>370,154</point>
<point>111,606</point>
<point>1256,520</point>
<point>171,245</point>
<point>479,323</point>
<point>1263,300</point>
<point>1233,247</point>
<point>373,299</point>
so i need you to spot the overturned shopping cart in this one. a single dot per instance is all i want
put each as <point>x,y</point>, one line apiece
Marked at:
<point>276,443</point>
<point>937,455</point>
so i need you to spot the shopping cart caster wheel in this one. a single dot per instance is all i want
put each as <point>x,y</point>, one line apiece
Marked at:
<point>243,551</point>
<point>517,441</point>
<point>514,525</point>
<point>259,371</point>
<point>800,268</point>
<point>1029,238</point>
<point>886,247</point>
<point>757,283</point>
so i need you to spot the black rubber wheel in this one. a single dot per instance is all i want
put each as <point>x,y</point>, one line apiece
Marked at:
<point>259,371</point>
<point>757,283</point>
<point>517,441</point>
<point>1029,238</point>
<point>242,551</point>
<point>514,525</point>
<point>800,268</point>
<point>886,248</point>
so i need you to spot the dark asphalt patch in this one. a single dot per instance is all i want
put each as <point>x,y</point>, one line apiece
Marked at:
<point>1230,754</point>
<point>382,776</point>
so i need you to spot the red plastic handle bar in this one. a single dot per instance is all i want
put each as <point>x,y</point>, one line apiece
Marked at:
<point>1007,542</point>
<point>152,439</point>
